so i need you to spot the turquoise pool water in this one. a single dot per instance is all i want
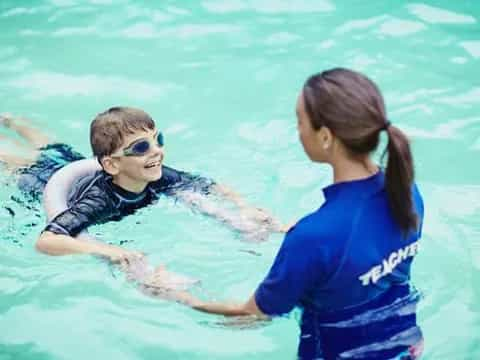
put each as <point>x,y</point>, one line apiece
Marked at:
<point>221,79</point>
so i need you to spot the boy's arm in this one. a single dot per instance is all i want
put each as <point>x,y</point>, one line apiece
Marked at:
<point>256,224</point>
<point>58,244</point>
<point>229,194</point>
<point>262,216</point>
<point>194,191</point>
<point>63,234</point>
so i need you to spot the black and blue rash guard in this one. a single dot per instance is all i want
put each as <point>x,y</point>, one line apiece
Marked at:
<point>95,199</point>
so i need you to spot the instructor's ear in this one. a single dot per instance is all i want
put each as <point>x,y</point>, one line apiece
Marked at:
<point>325,137</point>
<point>110,165</point>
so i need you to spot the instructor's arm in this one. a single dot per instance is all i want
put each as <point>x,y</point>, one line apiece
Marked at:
<point>226,309</point>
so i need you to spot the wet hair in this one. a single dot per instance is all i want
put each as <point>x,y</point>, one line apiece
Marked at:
<point>109,128</point>
<point>352,107</point>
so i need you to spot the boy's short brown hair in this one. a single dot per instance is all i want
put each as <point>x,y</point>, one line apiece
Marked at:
<point>109,128</point>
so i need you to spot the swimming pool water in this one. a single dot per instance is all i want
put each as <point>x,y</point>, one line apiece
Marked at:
<point>221,79</point>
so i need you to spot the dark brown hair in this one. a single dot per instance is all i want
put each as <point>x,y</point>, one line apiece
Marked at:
<point>109,128</point>
<point>352,107</point>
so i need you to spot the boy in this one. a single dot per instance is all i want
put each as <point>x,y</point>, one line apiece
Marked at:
<point>130,150</point>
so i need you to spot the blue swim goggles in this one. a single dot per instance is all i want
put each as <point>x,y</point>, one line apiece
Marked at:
<point>141,147</point>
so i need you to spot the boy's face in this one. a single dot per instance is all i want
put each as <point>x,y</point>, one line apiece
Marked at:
<point>135,170</point>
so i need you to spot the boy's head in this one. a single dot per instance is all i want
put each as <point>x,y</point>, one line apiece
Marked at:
<point>110,128</point>
<point>115,133</point>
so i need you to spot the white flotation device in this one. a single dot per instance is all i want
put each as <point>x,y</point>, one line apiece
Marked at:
<point>55,195</point>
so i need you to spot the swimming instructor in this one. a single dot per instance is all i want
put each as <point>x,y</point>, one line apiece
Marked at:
<point>346,264</point>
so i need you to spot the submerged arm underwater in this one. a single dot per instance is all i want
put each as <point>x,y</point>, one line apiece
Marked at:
<point>228,207</point>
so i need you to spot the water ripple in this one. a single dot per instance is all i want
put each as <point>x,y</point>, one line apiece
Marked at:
<point>42,85</point>
<point>398,27</point>
<point>436,15</point>
<point>472,47</point>
<point>269,6</point>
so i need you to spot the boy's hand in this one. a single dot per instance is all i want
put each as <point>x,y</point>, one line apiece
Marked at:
<point>257,214</point>
<point>264,218</point>
<point>123,256</point>
<point>164,279</point>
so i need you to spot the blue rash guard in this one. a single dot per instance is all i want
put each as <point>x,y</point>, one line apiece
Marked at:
<point>343,265</point>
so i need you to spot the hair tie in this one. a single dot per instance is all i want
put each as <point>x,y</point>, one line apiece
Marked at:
<point>386,126</point>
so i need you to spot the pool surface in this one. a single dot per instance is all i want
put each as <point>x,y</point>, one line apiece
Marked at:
<point>221,80</point>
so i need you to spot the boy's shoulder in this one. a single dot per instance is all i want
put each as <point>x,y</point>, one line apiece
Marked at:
<point>96,185</point>
<point>173,180</point>
<point>90,202</point>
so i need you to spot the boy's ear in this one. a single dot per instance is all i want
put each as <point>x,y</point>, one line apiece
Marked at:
<point>110,165</point>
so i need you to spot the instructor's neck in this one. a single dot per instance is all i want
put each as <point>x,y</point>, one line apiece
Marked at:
<point>347,169</point>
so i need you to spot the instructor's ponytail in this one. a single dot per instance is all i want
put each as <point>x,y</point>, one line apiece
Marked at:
<point>399,175</point>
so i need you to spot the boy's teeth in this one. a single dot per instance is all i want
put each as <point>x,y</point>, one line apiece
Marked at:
<point>152,164</point>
